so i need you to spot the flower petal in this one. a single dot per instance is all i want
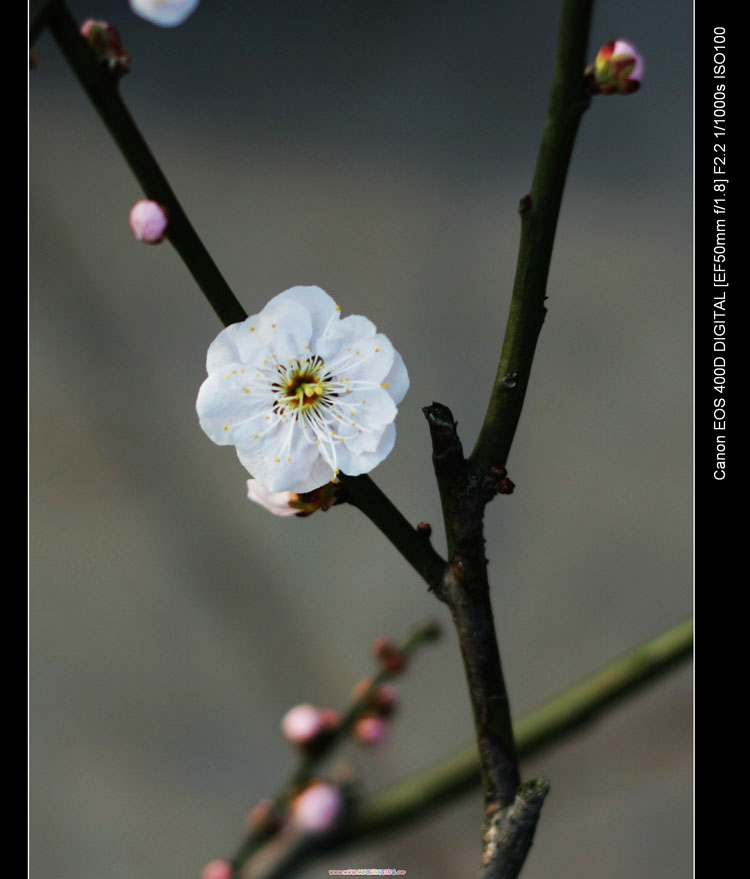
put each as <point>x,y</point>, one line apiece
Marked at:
<point>354,463</point>
<point>227,399</point>
<point>283,459</point>
<point>397,380</point>
<point>321,307</point>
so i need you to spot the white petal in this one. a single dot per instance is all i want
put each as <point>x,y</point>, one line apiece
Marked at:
<point>321,307</point>
<point>397,379</point>
<point>355,463</point>
<point>373,407</point>
<point>282,331</point>
<point>347,332</point>
<point>286,329</point>
<point>283,460</point>
<point>227,399</point>
<point>368,359</point>
<point>166,13</point>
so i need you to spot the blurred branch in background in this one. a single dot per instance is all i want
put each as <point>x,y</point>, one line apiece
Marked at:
<point>392,663</point>
<point>541,729</point>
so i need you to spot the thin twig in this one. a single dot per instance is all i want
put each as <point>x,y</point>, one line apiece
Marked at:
<point>539,211</point>
<point>102,90</point>
<point>259,835</point>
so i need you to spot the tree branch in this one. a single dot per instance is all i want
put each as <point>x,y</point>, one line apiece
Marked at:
<point>258,836</point>
<point>424,792</point>
<point>102,90</point>
<point>539,213</point>
<point>535,732</point>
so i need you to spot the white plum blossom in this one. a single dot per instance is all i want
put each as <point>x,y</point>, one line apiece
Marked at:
<point>166,13</point>
<point>302,393</point>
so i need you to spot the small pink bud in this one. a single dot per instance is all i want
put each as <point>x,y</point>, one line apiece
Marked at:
<point>370,730</point>
<point>106,44</point>
<point>329,720</point>
<point>305,725</point>
<point>276,502</point>
<point>618,68</point>
<point>289,503</point>
<point>148,221</point>
<point>386,700</point>
<point>317,808</point>
<point>391,656</point>
<point>217,870</point>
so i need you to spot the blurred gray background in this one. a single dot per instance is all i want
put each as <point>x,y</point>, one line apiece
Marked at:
<point>379,150</point>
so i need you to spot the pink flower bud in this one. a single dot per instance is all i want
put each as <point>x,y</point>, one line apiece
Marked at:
<point>390,655</point>
<point>217,870</point>
<point>148,221</point>
<point>618,68</point>
<point>276,502</point>
<point>106,44</point>
<point>305,725</point>
<point>370,730</point>
<point>301,723</point>
<point>317,808</point>
<point>386,700</point>
<point>289,503</point>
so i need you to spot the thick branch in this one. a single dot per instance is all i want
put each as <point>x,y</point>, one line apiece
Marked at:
<point>509,834</point>
<point>422,793</point>
<point>465,589</point>
<point>544,727</point>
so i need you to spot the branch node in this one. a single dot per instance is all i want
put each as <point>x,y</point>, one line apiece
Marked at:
<point>509,833</point>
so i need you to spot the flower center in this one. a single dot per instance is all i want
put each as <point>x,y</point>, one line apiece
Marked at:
<point>302,386</point>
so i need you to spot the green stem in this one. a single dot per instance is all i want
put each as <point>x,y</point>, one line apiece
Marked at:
<point>535,732</point>
<point>539,213</point>
<point>102,90</point>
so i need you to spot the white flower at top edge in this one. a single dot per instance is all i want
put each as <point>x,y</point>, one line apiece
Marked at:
<point>166,13</point>
<point>302,393</point>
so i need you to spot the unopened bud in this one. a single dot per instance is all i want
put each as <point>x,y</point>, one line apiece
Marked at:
<point>305,725</point>
<point>317,808</point>
<point>106,45</point>
<point>217,870</point>
<point>385,700</point>
<point>276,502</point>
<point>148,221</point>
<point>424,528</point>
<point>389,655</point>
<point>323,498</point>
<point>617,69</point>
<point>370,730</point>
